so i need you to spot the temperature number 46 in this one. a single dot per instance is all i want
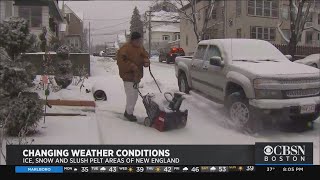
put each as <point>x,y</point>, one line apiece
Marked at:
<point>195,169</point>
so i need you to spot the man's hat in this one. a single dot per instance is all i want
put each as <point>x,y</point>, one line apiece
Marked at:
<point>135,35</point>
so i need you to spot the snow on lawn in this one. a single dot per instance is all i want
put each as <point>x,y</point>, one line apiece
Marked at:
<point>206,121</point>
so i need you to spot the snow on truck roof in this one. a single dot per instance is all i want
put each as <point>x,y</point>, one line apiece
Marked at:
<point>246,49</point>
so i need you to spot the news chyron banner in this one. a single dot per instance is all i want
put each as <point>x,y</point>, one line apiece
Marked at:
<point>292,153</point>
<point>129,154</point>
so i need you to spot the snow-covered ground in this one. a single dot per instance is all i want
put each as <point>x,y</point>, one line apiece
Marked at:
<point>206,120</point>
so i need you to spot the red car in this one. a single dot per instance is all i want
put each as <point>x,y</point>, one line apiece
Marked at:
<point>169,55</point>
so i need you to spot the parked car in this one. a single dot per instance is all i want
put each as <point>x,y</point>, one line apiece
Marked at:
<point>95,54</point>
<point>169,54</point>
<point>253,79</point>
<point>312,60</point>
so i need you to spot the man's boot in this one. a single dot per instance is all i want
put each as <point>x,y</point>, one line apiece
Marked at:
<point>130,117</point>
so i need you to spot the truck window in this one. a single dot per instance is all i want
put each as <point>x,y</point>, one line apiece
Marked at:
<point>212,51</point>
<point>200,52</point>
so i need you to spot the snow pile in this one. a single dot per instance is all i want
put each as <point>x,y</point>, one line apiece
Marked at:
<point>314,58</point>
<point>166,28</point>
<point>164,16</point>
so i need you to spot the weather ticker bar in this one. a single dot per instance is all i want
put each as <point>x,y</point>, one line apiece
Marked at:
<point>132,169</point>
<point>170,169</point>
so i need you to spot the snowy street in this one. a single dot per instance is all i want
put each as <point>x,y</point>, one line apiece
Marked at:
<point>206,121</point>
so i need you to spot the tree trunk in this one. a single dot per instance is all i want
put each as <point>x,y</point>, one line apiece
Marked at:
<point>292,46</point>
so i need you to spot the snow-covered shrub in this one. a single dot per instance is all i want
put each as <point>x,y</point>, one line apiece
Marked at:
<point>75,50</point>
<point>13,80</point>
<point>54,43</point>
<point>22,114</point>
<point>43,39</point>
<point>15,36</point>
<point>35,45</point>
<point>63,52</point>
<point>64,73</point>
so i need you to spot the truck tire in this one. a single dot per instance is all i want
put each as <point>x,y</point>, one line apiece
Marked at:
<point>243,115</point>
<point>167,61</point>
<point>183,83</point>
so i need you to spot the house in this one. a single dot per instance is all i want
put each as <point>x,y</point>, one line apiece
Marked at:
<point>42,13</point>
<point>256,19</point>
<point>6,9</point>
<point>74,30</point>
<point>164,29</point>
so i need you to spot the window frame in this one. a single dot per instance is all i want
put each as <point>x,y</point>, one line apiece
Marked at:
<point>239,30</point>
<point>207,58</point>
<point>31,17</point>
<point>273,8</point>
<point>163,38</point>
<point>238,8</point>
<point>204,53</point>
<point>260,32</point>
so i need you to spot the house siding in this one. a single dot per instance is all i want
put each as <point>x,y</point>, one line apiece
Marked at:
<point>45,22</point>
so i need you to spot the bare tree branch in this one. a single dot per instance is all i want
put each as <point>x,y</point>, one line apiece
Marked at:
<point>281,32</point>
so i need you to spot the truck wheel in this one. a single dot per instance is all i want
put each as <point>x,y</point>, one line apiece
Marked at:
<point>242,115</point>
<point>183,83</point>
<point>167,61</point>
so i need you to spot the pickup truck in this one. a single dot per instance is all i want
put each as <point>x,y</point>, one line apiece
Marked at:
<point>253,79</point>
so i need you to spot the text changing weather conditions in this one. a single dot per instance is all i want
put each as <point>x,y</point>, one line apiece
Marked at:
<point>96,153</point>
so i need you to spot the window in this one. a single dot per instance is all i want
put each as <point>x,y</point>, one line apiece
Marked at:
<point>319,36</point>
<point>187,40</point>
<point>8,8</point>
<point>176,36</point>
<point>214,13</point>
<point>200,52</point>
<point>309,19</point>
<point>238,33</point>
<point>76,44</point>
<point>212,51</point>
<point>263,33</point>
<point>33,14</point>
<point>318,18</point>
<point>166,38</point>
<point>309,35</point>
<point>265,8</point>
<point>285,12</point>
<point>206,36</point>
<point>238,8</point>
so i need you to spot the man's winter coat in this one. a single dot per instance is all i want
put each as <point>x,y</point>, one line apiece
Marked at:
<point>130,61</point>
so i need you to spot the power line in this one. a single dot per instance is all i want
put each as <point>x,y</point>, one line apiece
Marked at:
<point>106,27</point>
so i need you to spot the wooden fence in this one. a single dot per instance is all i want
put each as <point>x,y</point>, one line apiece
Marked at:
<point>301,50</point>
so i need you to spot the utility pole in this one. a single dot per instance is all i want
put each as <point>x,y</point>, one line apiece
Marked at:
<point>149,29</point>
<point>89,38</point>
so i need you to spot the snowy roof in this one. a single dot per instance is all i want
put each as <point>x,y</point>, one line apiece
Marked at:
<point>121,38</point>
<point>166,28</point>
<point>247,49</point>
<point>165,16</point>
<point>68,10</point>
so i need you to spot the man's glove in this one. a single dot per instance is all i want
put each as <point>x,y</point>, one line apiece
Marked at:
<point>146,64</point>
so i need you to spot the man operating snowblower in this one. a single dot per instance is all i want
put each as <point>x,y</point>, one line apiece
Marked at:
<point>131,58</point>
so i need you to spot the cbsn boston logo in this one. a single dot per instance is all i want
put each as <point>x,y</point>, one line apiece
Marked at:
<point>284,153</point>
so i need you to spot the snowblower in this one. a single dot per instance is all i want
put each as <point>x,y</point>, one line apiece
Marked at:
<point>163,110</point>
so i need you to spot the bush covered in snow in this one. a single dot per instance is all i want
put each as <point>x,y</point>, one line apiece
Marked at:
<point>15,36</point>
<point>63,52</point>
<point>64,73</point>
<point>22,114</point>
